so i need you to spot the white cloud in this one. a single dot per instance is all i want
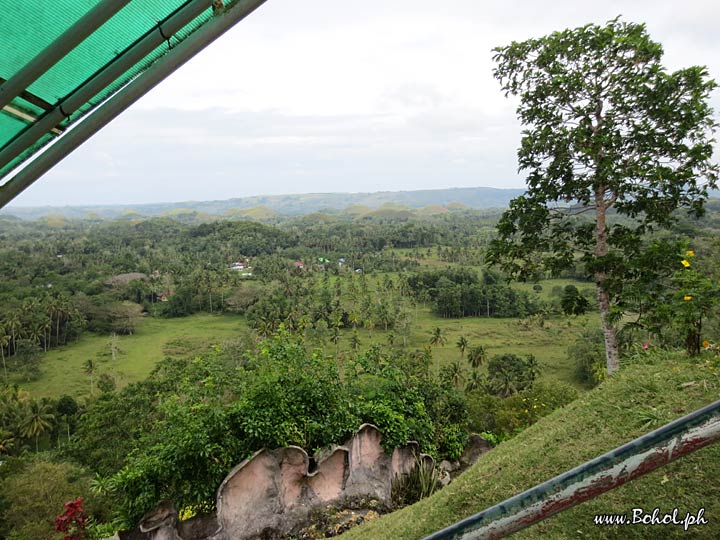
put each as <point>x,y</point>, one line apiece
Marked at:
<point>352,96</point>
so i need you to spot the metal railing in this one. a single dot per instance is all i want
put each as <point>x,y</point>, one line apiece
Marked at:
<point>627,462</point>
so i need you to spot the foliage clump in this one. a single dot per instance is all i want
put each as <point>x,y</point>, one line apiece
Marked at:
<point>207,414</point>
<point>588,356</point>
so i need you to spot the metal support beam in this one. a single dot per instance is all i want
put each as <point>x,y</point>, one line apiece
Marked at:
<point>118,103</point>
<point>112,71</point>
<point>630,461</point>
<point>65,43</point>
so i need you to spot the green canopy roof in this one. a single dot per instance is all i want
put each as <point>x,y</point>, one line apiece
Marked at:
<point>61,59</point>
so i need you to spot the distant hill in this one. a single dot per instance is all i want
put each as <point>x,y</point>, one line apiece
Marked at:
<point>268,206</point>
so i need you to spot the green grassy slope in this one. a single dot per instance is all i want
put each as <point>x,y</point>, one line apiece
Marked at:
<point>612,414</point>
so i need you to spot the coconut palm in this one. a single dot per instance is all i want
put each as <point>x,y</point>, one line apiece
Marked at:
<point>335,338</point>
<point>37,420</point>
<point>476,381</point>
<point>462,344</point>
<point>4,342</point>
<point>7,441</point>
<point>89,367</point>
<point>437,337</point>
<point>453,373</point>
<point>13,324</point>
<point>355,341</point>
<point>477,356</point>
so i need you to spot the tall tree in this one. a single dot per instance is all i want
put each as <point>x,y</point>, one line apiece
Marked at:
<point>477,356</point>
<point>4,342</point>
<point>90,367</point>
<point>37,420</point>
<point>462,344</point>
<point>437,337</point>
<point>607,129</point>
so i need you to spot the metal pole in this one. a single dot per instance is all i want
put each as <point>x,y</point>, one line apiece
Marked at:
<point>634,459</point>
<point>114,69</point>
<point>175,58</point>
<point>66,42</point>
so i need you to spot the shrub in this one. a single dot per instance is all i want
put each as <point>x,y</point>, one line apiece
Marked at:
<point>509,374</point>
<point>421,482</point>
<point>588,355</point>
<point>30,506</point>
<point>573,302</point>
<point>505,417</point>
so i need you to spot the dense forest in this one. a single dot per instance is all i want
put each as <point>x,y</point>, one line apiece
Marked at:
<point>345,319</point>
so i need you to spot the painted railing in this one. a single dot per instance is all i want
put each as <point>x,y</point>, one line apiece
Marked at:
<point>613,469</point>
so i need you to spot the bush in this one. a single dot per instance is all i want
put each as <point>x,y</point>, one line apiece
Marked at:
<point>505,417</point>
<point>588,355</point>
<point>573,302</point>
<point>422,481</point>
<point>509,374</point>
<point>35,493</point>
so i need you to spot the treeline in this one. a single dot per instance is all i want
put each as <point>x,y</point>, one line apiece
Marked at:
<point>59,275</point>
<point>461,292</point>
<point>36,323</point>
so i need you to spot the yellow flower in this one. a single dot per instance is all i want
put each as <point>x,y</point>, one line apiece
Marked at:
<point>687,297</point>
<point>705,344</point>
<point>689,253</point>
<point>685,263</point>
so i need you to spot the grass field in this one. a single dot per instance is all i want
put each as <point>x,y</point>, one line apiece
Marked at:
<point>62,368</point>
<point>548,343</point>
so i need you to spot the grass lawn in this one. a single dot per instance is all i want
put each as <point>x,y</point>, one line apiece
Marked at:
<point>62,368</point>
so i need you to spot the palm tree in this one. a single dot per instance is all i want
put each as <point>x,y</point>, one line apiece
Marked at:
<point>355,318</point>
<point>90,367</point>
<point>13,323</point>
<point>355,341</point>
<point>477,356</point>
<point>335,338</point>
<point>4,342</point>
<point>476,381</point>
<point>7,441</point>
<point>462,344</point>
<point>503,384</point>
<point>454,374</point>
<point>437,337</point>
<point>37,420</point>
<point>265,327</point>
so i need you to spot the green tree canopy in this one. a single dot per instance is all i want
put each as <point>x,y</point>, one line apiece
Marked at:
<point>607,130</point>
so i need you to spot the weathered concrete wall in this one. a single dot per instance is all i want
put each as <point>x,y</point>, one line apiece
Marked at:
<point>273,491</point>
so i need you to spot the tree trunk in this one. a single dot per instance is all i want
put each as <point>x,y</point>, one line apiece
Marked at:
<point>612,354</point>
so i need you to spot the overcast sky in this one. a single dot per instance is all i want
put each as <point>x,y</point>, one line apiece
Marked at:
<point>346,95</point>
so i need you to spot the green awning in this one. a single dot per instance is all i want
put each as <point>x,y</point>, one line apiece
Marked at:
<point>61,59</point>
